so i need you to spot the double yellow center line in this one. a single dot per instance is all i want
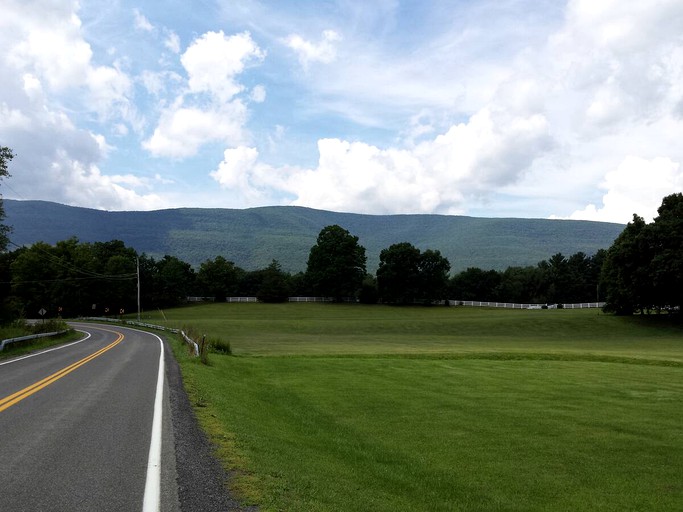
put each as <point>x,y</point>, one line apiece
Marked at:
<point>14,398</point>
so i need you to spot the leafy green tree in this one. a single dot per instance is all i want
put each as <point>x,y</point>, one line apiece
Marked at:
<point>176,279</point>
<point>274,284</point>
<point>398,274</point>
<point>406,275</point>
<point>219,278</point>
<point>666,268</point>
<point>6,156</point>
<point>475,284</point>
<point>336,263</point>
<point>9,307</point>
<point>521,285</point>
<point>33,275</point>
<point>433,279</point>
<point>555,278</point>
<point>368,290</point>
<point>626,270</point>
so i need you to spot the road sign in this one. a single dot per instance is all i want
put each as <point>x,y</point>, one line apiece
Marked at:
<point>42,312</point>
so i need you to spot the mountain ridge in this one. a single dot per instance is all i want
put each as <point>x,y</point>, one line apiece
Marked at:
<point>253,237</point>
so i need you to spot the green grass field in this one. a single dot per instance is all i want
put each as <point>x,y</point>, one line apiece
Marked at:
<point>353,408</point>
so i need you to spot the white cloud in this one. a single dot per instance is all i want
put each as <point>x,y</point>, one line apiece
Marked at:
<point>476,102</point>
<point>51,50</point>
<point>246,180</point>
<point>437,175</point>
<point>46,62</point>
<point>636,186</point>
<point>172,42</point>
<point>109,90</point>
<point>183,130</point>
<point>308,52</point>
<point>142,23</point>
<point>258,94</point>
<point>237,164</point>
<point>213,61</point>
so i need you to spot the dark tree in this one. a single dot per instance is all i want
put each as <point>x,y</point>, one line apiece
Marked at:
<point>398,274</point>
<point>666,268</point>
<point>218,278</point>
<point>475,284</point>
<point>368,291</point>
<point>33,276</point>
<point>336,263</point>
<point>175,281</point>
<point>521,285</point>
<point>5,156</point>
<point>433,279</point>
<point>627,269</point>
<point>555,278</point>
<point>274,286</point>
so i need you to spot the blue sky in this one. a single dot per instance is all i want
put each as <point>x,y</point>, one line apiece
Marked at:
<point>505,108</point>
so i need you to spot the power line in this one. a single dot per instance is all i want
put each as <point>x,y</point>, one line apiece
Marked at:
<point>59,261</point>
<point>121,277</point>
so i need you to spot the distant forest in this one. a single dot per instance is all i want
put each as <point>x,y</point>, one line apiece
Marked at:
<point>253,237</point>
<point>641,272</point>
<point>72,278</point>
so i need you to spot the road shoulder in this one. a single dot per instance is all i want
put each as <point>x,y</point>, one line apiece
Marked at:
<point>201,478</point>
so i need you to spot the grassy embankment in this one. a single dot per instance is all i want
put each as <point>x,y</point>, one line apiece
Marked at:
<point>332,408</point>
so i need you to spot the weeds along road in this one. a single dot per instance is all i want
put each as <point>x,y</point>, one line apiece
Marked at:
<point>76,426</point>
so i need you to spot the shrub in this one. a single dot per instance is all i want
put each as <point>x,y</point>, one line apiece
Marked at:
<point>220,346</point>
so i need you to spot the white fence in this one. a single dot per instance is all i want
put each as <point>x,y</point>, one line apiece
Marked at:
<point>510,305</point>
<point>473,303</point>
<point>310,299</point>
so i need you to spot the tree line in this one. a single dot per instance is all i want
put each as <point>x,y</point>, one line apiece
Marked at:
<point>73,278</point>
<point>641,272</point>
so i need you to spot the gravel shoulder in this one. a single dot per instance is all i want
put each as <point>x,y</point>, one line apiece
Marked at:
<point>201,478</point>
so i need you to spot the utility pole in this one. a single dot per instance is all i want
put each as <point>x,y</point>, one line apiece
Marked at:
<point>137,264</point>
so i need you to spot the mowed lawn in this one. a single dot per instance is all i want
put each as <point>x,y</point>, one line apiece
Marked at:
<point>345,407</point>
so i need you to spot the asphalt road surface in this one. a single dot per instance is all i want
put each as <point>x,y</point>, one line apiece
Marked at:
<point>103,425</point>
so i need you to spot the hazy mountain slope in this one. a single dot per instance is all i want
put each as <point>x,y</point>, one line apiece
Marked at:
<point>255,236</point>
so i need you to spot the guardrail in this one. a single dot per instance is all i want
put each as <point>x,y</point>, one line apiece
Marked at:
<point>187,339</point>
<point>510,305</point>
<point>29,337</point>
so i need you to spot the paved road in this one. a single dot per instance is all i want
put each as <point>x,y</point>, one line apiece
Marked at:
<point>76,427</point>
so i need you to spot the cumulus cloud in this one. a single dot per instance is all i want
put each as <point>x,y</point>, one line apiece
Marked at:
<point>183,130</point>
<point>545,121</point>
<point>45,58</point>
<point>308,52</point>
<point>434,176</point>
<point>636,186</point>
<point>213,62</point>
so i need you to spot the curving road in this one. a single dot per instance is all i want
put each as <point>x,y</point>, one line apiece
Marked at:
<point>76,426</point>
<point>104,424</point>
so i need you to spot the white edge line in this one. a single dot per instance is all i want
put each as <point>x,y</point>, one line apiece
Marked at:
<point>47,350</point>
<point>151,501</point>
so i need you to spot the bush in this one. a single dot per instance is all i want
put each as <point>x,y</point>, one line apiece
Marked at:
<point>52,325</point>
<point>220,346</point>
<point>213,344</point>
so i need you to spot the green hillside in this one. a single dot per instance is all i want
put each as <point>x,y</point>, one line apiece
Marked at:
<point>255,236</point>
